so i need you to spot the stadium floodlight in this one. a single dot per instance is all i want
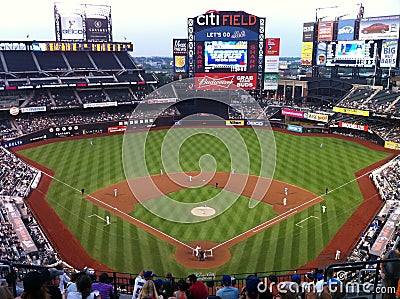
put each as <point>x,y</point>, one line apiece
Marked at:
<point>322,8</point>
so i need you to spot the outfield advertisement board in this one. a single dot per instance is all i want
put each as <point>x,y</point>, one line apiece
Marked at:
<point>392,145</point>
<point>292,113</point>
<point>308,32</point>
<point>353,126</point>
<point>306,53</point>
<point>71,27</point>
<point>234,122</point>
<point>294,128</point>
<point>97,30</point>
<point>346,29</point>
<point>325,31</point>
<point>272,46</point>
<point>389,53</point>
<point>316,116</point>
<point>351,111</point>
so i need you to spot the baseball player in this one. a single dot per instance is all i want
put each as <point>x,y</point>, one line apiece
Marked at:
<point>108,220</point>
<point>323,209</point>
<point>286,190</point>
<point>190,178</point>
<point>115,192</point>
<point>284,201</point>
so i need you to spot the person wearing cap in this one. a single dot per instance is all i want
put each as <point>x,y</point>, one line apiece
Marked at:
<point>197,289</point>
<point>228,291</point>
<point>319,285</point>
<point>139,283</point>
<point>53,283</point>
<point>34,286</point>
<point>251,290</point>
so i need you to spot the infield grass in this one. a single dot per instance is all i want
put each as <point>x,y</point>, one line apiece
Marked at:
<point>299,161</point>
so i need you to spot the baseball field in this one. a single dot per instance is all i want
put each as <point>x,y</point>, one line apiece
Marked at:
<point>249,233</point>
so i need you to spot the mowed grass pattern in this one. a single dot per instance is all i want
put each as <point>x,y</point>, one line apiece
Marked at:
<point>124,247</point>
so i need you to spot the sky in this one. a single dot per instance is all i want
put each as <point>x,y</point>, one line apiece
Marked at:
<point>151,25</point>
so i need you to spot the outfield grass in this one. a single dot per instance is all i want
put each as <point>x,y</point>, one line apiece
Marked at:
<point>124,247</point>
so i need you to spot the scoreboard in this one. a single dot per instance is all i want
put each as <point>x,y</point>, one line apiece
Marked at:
<point>82,46</point>
<point>226,49</point>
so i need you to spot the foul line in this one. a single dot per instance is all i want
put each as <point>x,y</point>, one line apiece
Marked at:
<point>121,212</point>
<point>298,223</point>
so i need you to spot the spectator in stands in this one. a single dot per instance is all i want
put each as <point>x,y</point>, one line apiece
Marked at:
<point>159,284</point>
<point>64,278</point>
<point>71,286</point>
<point>228,291</point>
<point>84,289</point>
<point>181,293</point>
<point>390,271</point>
<point>148,290</point>
<point>53,282</point>
<point>169,285</point>
<point>104,287</point>
<point>139,283</point>
<point>12,279</point>
<point>251,290</point>
<point>197,289</point>
<point>34,286</point>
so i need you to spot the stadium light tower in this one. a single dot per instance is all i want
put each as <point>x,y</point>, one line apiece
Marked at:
<point>322,8</point>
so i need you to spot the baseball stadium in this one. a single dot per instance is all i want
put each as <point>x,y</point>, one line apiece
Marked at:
<point>229,169</point>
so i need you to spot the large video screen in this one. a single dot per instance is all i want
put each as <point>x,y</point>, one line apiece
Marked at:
<point>231,55</point>
<point>352,53</point>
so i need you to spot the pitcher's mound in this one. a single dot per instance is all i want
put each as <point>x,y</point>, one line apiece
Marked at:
<point>203,211</point>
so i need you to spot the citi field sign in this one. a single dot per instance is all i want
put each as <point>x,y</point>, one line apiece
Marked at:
<point>213,18</point>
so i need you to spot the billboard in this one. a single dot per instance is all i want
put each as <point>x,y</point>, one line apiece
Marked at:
<point>223,81</point>
<point>389,53</point>
<point>352,53</point>
<point>346,30</point>
<point>353,126</point>
<point>292,113</point>
<point>97,30</point>
<point>325,31</point>
<point>320,57</point>
<point>179,53</point>
<point>271,81</point>
<point>351,111</point>
<point>306,53</point>
<point>308,32</point>
<point>71,27</point>
<point>271,64</point>
<point>316,116</point>
<point>380,28</point>
<point>226,42</point>
<point>272,46</point>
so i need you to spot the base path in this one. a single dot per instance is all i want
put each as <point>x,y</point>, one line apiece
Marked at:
<point>253,187</point>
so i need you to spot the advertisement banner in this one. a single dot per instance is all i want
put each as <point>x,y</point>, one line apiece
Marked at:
<point>325,31</point>
<point>316,116</point>
<point>320,57</point>
<point>272,46</point>
<point>115,129</point>
<point>97,30</point>
<point>346,30</point>
<point>353,126</point>
<point>292,113</point>
<point>271,81</point>
<point>180,64</point>
<point>392,145</point>
<point>258,123</point>
<point>98,105</point>
<point>234,122</point>
<point>222,81</point>
<point>294,128</point>
<point>379,28</point>
<point>179,46</point>
<point>33,109</point>
<point>306,53</point>
<point>71,27</point>
<point>271,64</point>
<point>389,53</point>
<point>308,32</point>
<point>351,111</point>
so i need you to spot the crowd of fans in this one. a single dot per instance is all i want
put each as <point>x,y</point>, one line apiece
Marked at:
<point>16,180</point>
<point>387,180</point>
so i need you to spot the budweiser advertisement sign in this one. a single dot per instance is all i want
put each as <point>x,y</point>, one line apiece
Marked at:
<point>222,81</point>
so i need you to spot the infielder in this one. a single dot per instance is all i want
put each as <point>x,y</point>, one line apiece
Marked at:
<point>115,192</point>
<point>190,178</point>
<point>284,201</point>
<point>286,190</point>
